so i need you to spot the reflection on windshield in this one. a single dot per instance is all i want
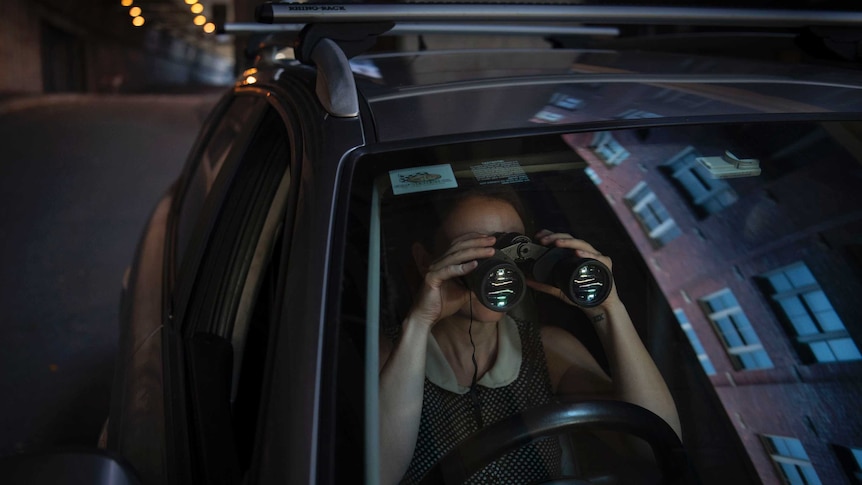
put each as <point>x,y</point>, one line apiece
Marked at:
<point>762,272</point>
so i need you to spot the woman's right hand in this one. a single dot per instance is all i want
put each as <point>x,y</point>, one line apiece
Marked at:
<point>441,294</point>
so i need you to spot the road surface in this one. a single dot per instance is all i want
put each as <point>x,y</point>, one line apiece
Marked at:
<point>79,176</point>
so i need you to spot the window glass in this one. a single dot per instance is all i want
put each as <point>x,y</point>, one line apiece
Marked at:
<point>208,164</point>
<point>791,460</point>
<point>652,215</point>
<point>817,329</point>
<point>232,299</point>
<point>741,341</point>
<point>754,290</point>
<point>704,194</point>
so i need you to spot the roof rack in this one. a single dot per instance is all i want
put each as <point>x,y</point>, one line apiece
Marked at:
<point>278,13</point>
<point>329,34</point>
<point>425,28</point>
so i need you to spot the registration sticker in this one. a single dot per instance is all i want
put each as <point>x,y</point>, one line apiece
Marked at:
<point>422,179</point>
<point>499,172</point>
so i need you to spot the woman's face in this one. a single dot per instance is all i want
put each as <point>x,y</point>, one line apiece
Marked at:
<point>479,215</point>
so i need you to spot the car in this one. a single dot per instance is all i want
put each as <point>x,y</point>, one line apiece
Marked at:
<point>269,278</point>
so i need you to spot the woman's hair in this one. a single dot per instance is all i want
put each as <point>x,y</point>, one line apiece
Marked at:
<point>442,204</point>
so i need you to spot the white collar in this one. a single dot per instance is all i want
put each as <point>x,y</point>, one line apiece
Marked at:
<point>504,371</point>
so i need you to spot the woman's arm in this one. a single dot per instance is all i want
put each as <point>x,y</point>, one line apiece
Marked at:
<point>635,377</point>
<point>402,378</point>
<point>402,368</point>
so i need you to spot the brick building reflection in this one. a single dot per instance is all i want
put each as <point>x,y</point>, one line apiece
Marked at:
<point>763,274</point>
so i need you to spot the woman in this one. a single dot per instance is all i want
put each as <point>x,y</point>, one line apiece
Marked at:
<point>471,366</point>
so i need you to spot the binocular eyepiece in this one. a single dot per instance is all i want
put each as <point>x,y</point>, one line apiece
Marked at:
<point>499,282</point>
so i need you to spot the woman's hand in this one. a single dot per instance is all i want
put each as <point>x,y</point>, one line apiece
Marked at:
<point>584,250</point>
<point>440,295</point>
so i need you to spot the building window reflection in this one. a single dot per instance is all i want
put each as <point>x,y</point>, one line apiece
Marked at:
<point>652,215</point>
<point>608,149</point>
<point>694,341</point>
<point>739,338</point>
<point>791,460</point>
<point>819,333</point>
<point>565,101</point>
<point>851,460</point>
<point>637,114</point>
<point>706,195</point>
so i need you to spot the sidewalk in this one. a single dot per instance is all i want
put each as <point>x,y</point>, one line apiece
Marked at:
<point>12,102</point>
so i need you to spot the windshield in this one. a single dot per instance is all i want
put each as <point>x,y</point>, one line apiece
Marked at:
<point>735,256</point>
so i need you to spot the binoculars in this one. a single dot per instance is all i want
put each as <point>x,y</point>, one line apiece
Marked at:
<point>499,282</point>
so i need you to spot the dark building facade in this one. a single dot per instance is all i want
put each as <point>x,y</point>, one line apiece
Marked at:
<point>55,46</point>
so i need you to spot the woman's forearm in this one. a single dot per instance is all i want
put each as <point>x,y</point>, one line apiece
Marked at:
<point>402,380</point>
<point>636,378</point>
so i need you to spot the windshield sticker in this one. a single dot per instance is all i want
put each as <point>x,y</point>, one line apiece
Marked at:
<point>422,179</point>
<point>499,172</point>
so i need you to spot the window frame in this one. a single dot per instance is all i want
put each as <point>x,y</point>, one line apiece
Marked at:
<point>733,352</point>
<point>667,229</point>
<point>608,149</point>
<point>684,170</point>
<point>779,461</point>
<point>188,376</point>
<point>184,184</point>
<point>803,343</point>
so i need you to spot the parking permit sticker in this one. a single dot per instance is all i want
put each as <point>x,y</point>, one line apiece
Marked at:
<point>499,172</point>
<point>422,179</point>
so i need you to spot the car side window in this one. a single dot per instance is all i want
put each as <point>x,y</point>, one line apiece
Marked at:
<point>224,303</point>
<point>210,160</point>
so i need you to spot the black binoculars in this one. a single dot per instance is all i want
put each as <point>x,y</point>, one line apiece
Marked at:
<point>499,281</point>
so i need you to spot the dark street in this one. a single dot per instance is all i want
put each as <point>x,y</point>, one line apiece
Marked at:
<point>79,176</point>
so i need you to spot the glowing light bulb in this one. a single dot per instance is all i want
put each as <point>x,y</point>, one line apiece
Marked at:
<point>209,27</point>
<point>197,8</point>
<point>135,11</point>
<point>200,20</point>
<point>191,2</point>
<point>126,3</point>
<point>138,21</point>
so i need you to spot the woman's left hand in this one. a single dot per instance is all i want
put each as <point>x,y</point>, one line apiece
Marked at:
<point>583,249</point>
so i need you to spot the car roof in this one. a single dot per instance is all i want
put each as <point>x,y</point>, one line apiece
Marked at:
<point>433,93</point>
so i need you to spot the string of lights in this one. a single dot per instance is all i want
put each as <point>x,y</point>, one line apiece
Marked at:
<point>196,8</point>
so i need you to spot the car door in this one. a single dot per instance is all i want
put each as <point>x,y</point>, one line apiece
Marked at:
<point>198,271</point>
<point>224,295</point>
<point>139,424</point>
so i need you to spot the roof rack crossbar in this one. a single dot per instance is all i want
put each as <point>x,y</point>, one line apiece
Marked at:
<point>417,28</point>
<point>615,14</point>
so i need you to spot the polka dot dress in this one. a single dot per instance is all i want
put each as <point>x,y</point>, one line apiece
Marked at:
<point>448,418</point>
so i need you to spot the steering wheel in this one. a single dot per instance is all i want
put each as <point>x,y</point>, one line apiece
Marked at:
<point>489,443</point>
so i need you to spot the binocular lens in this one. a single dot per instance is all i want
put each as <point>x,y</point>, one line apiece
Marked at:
<point>589,283</point>
<point>500,284</point>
